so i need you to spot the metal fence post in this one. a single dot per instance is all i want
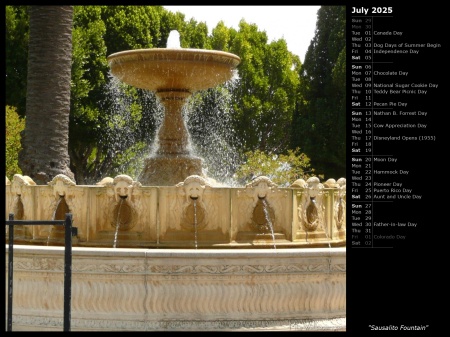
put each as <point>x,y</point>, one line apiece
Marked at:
<point>69,231</point>
<point>67,271</point>
<point>10,270</point>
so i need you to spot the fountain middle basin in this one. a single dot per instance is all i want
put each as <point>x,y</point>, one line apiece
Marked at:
<point>173,69</point>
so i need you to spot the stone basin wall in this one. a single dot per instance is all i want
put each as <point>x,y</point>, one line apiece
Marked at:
<point>136,289</point>
<point>121,212</point>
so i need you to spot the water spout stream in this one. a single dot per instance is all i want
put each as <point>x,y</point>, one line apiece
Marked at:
<point>195,221</point>
<point>269,221</point>
<point>118,222</point>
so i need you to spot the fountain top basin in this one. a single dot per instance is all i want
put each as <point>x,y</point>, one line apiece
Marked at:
<point>173,69</point>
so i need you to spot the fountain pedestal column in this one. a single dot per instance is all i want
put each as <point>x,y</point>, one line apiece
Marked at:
<point>173,161</point>
<point>169,170</point>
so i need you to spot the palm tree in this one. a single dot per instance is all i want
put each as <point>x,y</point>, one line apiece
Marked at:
<point>46,135</point>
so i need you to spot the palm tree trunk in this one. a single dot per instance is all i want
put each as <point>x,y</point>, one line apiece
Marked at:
<point>46,135</point>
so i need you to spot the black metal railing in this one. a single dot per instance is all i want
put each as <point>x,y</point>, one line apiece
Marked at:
<point>69,231</point>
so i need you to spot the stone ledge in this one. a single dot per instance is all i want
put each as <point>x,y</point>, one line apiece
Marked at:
<point>27,323</point>
<point>144,290</point>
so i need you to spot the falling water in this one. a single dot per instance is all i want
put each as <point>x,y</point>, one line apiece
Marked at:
<point>18,208</point>
<point>54,218</point>
<point>329,247</point>
<point>328,237</point>
<point>195,221</point>
<point>269,221</point>
<point>312,215</point>
<point>118,222</point>
<point>340,213</point>
<point>209,115</point>
<point>126,136</point>
<point>18,211</point>
<point>315,214</point>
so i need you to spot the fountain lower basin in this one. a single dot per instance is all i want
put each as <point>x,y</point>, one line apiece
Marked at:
<point>128,289</point>
<point>185,257</point>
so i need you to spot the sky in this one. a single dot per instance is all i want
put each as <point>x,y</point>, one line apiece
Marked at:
<point>296,24</point>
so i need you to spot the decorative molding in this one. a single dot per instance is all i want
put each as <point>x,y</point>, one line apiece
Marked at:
<point>51,323</point>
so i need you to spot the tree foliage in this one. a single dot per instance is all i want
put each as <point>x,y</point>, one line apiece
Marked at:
<point>319,119</point>
<point>112,126</point>
<point>282,169</point>
<point>264,98</point>
<point>14,126</point>
<point>16,55</point>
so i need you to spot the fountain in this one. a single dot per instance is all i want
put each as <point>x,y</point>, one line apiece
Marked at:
<point>174,74</point>
<point>172,250</point>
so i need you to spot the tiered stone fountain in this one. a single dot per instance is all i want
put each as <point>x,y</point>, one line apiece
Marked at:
<point>171,250</point>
